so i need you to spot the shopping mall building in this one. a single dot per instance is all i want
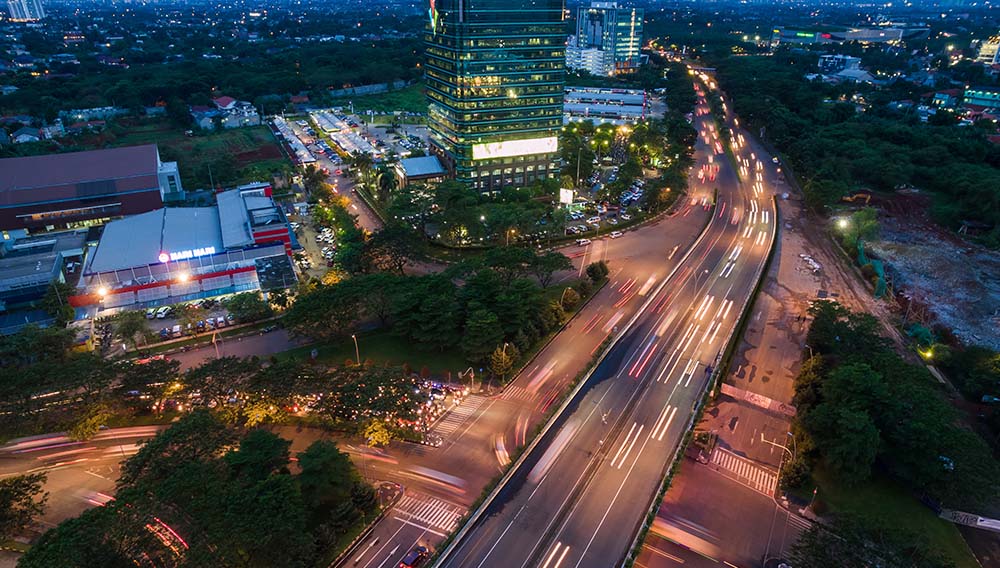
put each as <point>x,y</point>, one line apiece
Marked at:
<point>178,254</point>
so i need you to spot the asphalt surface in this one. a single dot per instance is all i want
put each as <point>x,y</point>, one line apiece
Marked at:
<point>578,498</point>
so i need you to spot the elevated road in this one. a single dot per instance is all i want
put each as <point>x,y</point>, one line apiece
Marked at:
<point>580,494</point>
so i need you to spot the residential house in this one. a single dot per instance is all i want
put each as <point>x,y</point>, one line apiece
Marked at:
<point>26,134</point>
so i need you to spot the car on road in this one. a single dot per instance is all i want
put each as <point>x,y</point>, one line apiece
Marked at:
<point>414,558</point>
<point>615,234</point>
<point>583,242</point>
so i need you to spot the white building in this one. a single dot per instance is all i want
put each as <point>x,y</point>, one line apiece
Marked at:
<point>989,51</point>
<point>25,10</point>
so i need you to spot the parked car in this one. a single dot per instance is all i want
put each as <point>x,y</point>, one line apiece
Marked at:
<point>594,220</point>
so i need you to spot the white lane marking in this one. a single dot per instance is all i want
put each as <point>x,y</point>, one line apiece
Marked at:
<point>624,443</point>
<point>630,446</point>
<point>666,425</point>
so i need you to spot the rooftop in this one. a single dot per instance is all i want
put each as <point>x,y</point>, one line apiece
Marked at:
<point>140,240</point>
<point>422,166</point>
<point>76,175</point>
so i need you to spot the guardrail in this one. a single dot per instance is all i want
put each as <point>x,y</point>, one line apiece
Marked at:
<point>502,483</point>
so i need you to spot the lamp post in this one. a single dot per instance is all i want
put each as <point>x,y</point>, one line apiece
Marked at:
<point>357,351</point>
<point>509,232</point>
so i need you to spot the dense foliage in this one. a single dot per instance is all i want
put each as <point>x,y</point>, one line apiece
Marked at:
<point>861,406</point>
<point>477,305</point>
<point>203,494</point>
<point>835,149</point>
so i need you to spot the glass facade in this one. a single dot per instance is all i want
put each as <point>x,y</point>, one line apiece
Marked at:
<point>494,73</point>
<point>611,29</point>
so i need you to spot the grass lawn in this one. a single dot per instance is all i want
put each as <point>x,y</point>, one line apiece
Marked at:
<point>886,502</point>
<point>235,156</point>
<point>382,347</point>
<point>409,99</point>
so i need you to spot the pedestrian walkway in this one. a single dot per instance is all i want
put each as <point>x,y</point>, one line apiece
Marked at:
<point>455,417</point>
<point>513,392</point>
<point>746,471</point>
<point>429,511</point>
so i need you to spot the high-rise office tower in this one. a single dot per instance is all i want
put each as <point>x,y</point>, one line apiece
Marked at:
<point>25,10</point>
<point>608,39</point>
<point>494,73</point>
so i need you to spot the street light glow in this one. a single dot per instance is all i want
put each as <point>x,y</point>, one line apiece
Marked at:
<point>843,223</point>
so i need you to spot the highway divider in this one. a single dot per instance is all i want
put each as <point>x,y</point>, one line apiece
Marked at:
<point>491,493</point>
<point>721,370</point>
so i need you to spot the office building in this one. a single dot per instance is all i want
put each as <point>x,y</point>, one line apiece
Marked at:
<point>78,189</point>
<point>989,51</point>
<point>25,10</point>
<point>608,39</point>
<point>494,75</point>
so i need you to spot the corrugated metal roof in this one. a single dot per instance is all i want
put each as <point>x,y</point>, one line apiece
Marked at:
<point>64,176</point>
<point>138,240</point>
<point>233,219</point>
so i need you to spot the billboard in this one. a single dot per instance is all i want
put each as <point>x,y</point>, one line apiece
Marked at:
<point>566,196</point>
<point>510,148</point>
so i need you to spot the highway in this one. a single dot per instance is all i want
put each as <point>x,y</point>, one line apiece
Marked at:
<point>580,494</point>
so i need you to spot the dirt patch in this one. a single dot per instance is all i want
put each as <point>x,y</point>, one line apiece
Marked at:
<point>954,282</point>
<point>270,152</point>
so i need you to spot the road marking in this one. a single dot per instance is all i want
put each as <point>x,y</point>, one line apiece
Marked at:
<point>630,446</point>
<point>457,416</point>
<point>552,555</point>
<point>748,473</point>
<point>624,443</point>
<point>663,424</point>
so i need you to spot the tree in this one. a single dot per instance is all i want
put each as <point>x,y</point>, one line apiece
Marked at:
<point>392,247</point>
<point>326,478</point>
<point>377,434</point>
<point>848,440</point>
<point>482,332</point>
<point>502,360</point>
<point>131,327</point>
<point>853,542</point>
<point>862,225</point>
<point>56,302</point>
<point>325,313</point>
<point>21,501</point>
<point>260,455</point>
<point>189,317</point>
<point>544,266</point>
<point>569,299</point>
<point>597,271</point>
<point>217,380</point>
<point>248,307</point>
<point>313,179</point>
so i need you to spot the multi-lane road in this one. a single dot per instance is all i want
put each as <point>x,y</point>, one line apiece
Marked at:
<point>580,494</point>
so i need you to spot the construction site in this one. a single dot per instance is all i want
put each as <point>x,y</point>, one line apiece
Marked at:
<point>937,278</point>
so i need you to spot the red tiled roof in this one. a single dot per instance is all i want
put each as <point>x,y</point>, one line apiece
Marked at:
<point>55,177</point>
<point>224,102</point>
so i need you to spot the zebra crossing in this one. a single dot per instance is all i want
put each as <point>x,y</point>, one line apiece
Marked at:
<point>513,392</point>
<point>457,415</point>
<point>747,472</point>
<point>429,511</point>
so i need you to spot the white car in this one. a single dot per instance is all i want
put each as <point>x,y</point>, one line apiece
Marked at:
<point>626,217</point>
<point>583,242</point>
<point>594,220</point>
<point>615,234</point>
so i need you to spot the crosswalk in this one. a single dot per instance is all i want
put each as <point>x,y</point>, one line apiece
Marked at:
<point>429,511</point>
<point>747,472</point>
<point>514,392</point>
<point>455,417</point>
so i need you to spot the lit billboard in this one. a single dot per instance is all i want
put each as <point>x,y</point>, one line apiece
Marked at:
<point>511,148</point>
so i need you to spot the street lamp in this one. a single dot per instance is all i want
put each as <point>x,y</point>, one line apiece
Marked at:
<point>357,351</point>
<point>843,223</point>
<point>509,232</point>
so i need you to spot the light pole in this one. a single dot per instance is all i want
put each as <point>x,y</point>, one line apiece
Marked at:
<point>766,441</point>
<point>509,231</point>
<point>357,351</point>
